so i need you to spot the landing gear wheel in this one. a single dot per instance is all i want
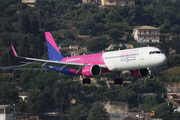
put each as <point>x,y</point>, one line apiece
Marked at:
<point>118,81</point>
<point>86,81</point>
<point>151,77</point>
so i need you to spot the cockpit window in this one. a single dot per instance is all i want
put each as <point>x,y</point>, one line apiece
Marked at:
<point>155,52</point>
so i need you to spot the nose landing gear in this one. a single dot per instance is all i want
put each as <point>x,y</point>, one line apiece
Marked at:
<point>150,74</point>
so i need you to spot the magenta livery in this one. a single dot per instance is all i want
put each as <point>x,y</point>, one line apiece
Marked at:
<point>138,61</point>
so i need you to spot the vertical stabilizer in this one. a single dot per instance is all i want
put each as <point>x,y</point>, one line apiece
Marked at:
<point>53,51</point>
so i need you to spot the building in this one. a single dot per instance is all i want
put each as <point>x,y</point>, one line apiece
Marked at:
<point>74,50</point>
<point>173,96</point>
<point>6,112</point>
<point>89,1</point>
<point>117,2</point>
<point>116,107</point>
<point>23,96</point>
<point>146,34</point>
<point>30,3</point>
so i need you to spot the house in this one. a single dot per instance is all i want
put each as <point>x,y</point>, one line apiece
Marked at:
<point>6,112</point>
<point>170,50</point>
<point>74,50</point>
<point>144,34</point>
<point>173,95</point>
<point>111,47</point>
<point>30,3</point>
<point>89,1</point>
<point>116,107</point>
<point>117,2</point>
<point>23,96</point>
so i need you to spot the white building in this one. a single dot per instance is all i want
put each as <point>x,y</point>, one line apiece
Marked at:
<point>30,3</point>
<point>6,112</point>
<point>146,34</point>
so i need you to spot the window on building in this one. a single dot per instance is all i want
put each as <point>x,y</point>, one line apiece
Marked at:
<point>149,32</point>
<point>121,2</point>
<point>149,36</point>
<point>73,54</point>
<point>127,3</point>
<point>154,37</point>
<point>144,32</point>
<point>144,36</point>
<point>139,36</point>
<point>154,32</point>
<point>140,32</point>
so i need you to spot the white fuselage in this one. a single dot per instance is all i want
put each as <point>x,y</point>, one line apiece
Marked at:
<point>131,59</point>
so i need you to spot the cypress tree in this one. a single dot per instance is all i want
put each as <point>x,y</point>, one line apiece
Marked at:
<point>40,44</point>
<point>25,25</point>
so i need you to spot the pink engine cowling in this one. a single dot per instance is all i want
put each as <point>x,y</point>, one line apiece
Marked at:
<point>140,73</point>
<point>91,71</point>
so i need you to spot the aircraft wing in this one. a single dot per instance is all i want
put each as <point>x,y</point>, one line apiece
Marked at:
<point>20,67</point>
<point>51,62</point>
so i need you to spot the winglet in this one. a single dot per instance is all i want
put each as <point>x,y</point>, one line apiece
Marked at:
<point>14,51</point>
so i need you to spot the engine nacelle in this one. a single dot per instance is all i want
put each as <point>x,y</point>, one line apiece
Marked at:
<point>91,71</point>
<point>140,73</point>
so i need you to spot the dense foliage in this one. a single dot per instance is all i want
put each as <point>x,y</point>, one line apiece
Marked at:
<point>24,27</point>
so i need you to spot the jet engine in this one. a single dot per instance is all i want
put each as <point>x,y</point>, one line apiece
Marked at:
<point>91,71</point>
<point>140,73</point>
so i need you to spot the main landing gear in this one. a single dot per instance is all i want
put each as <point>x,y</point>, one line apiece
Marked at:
<point>86,81</point>
<point>118,81</point>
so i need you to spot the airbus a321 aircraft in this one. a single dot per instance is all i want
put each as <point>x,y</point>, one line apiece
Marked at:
<point>137,60</point>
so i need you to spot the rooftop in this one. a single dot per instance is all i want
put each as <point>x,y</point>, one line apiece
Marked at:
<point>5,106</point>
<point>146,27</point>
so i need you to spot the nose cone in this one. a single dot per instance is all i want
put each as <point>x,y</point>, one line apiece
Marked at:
<point>161,59</point>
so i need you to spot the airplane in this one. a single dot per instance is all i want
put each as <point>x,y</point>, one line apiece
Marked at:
<point>138,61</point>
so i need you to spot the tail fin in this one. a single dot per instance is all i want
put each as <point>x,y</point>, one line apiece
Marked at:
<point>53,51</point>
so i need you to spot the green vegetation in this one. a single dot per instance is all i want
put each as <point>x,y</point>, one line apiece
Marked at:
<point>24,27</point>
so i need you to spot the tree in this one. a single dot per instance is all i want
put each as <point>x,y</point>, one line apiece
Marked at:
<point>79,112</point>
<point>128,36</point>
<point>68,35</point>
<point>97,112</point>
<point>163,111</point>
<point>97,44</point>
<point>97,18</point>
<point>8,94</point>
<point>40,45</point>
<point>115,34</point>
<point>25,26</point>
<point>24,47</point>
<point>35,26</point>
<point>175,29</point>
<point>37,101</point>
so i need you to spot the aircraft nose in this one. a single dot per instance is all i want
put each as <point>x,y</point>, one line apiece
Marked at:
<point>161,59</point>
